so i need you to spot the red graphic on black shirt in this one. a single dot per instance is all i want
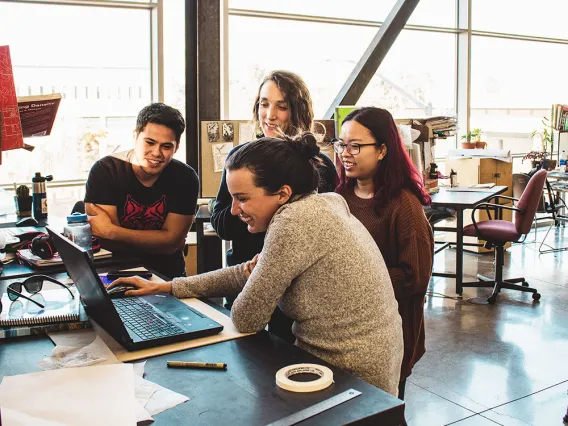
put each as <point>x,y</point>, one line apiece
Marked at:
<point>140,216</point>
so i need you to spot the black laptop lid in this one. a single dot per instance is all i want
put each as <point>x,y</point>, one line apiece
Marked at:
<point>93,294</point>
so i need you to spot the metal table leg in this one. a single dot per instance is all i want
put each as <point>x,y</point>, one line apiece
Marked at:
<point>459,251</point>
<point>200,247</point>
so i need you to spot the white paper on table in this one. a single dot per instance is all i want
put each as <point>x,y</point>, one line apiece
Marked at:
<point>139,368</point>
<point>159,399</point>
<point>162,399</point>
<point>496,154</point>
<point>220,152</point>
<point>96,352</point>
<point>73,338</point>
<point>83,337</point>
<point>66,357</point>
<point>101,394</point>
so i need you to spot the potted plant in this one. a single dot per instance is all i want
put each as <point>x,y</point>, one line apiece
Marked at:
<point>546,135</point>
<point>468,144</point>
<point>536,157</point>
<point>476,137</point>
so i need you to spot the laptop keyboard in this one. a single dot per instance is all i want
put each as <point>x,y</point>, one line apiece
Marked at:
<point>141,318</point>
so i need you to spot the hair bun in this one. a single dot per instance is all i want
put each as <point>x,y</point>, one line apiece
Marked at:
<point>306,143</point>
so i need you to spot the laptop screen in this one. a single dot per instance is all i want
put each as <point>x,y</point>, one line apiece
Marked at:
<point>81,270</point>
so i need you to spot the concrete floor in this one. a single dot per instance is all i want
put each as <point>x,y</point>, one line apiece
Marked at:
<point>501,364</point>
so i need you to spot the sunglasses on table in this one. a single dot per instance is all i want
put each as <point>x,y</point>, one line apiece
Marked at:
<point>32,285</point>
<point>14,294</point>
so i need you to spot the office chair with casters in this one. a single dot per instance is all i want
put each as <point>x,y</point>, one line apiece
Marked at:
<point>498,232</point>
<point>557,206</point>
<point>520,181</point>
<point>549,205</point>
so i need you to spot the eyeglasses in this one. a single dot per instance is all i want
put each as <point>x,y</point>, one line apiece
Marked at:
<point>352,148</point>
<point>33,285</point>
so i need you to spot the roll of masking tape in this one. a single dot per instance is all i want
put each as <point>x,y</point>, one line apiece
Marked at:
<point>283,378</point>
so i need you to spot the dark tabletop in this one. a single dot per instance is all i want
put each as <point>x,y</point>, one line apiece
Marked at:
<point>244,394</point>
<point>558,175</point>
<point>15,270</point>
<point>452,197</point>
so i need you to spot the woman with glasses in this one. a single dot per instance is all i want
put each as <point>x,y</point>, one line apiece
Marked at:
<point>310,265</point>
<point>283,106</point>
<point>386,193</point>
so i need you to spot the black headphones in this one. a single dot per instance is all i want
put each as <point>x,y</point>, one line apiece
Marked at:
<point>42,246</point>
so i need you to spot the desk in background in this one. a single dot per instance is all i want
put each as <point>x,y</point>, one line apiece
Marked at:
<point>460,201</point>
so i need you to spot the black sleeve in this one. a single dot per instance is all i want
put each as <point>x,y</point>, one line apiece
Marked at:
<point>98,183</point>
<point>327,174</point>
<point>186,192</point>
<point>227,226</point>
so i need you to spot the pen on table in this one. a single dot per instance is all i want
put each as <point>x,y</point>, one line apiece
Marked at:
<point>193,364</point>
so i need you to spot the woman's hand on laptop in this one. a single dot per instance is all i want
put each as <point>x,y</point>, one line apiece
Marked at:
<point>141,286</point>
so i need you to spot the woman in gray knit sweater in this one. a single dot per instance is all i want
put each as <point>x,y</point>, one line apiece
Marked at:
<point>319,265</point>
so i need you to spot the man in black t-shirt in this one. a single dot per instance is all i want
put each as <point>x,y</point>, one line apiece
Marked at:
<point>143,201</point>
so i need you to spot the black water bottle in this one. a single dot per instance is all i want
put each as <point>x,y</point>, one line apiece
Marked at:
<point>39,195</point>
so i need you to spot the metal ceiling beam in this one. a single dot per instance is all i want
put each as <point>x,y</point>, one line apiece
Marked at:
<point>369,63</point>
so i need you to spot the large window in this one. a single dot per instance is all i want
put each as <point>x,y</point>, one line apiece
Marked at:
<point>416,79</point>
<point>543,18</point>
<point>174,61</point>
<point>516,73</point>
<point>409,83</point>
<point>99,59</point>
<point>323,54</point>
<point>513,86</point>
<point>441,13</point>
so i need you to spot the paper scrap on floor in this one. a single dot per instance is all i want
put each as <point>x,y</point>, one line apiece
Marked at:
<point>95,395</point>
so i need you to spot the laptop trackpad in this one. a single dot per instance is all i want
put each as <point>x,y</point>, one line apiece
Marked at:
<point>175,310</point>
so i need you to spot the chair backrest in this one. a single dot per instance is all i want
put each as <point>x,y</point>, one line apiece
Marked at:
<point>528,202</point>
<point>520,181</point>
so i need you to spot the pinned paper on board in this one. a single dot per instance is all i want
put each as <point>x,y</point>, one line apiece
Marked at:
<point>213,131</point>
<point>228,132</point>
<point>220,152</point>
<point>246,132</point>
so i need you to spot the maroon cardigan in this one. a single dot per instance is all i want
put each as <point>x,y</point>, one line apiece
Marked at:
<point>405,239</point>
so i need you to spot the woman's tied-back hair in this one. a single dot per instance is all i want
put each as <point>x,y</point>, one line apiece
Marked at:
<point>276,162</point>
<point>395,171</point>
<point>297,95</point>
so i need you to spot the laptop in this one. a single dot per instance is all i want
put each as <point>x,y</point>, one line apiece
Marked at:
<point>135,322</point>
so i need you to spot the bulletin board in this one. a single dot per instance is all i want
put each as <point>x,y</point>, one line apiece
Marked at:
<point>217,139</point>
